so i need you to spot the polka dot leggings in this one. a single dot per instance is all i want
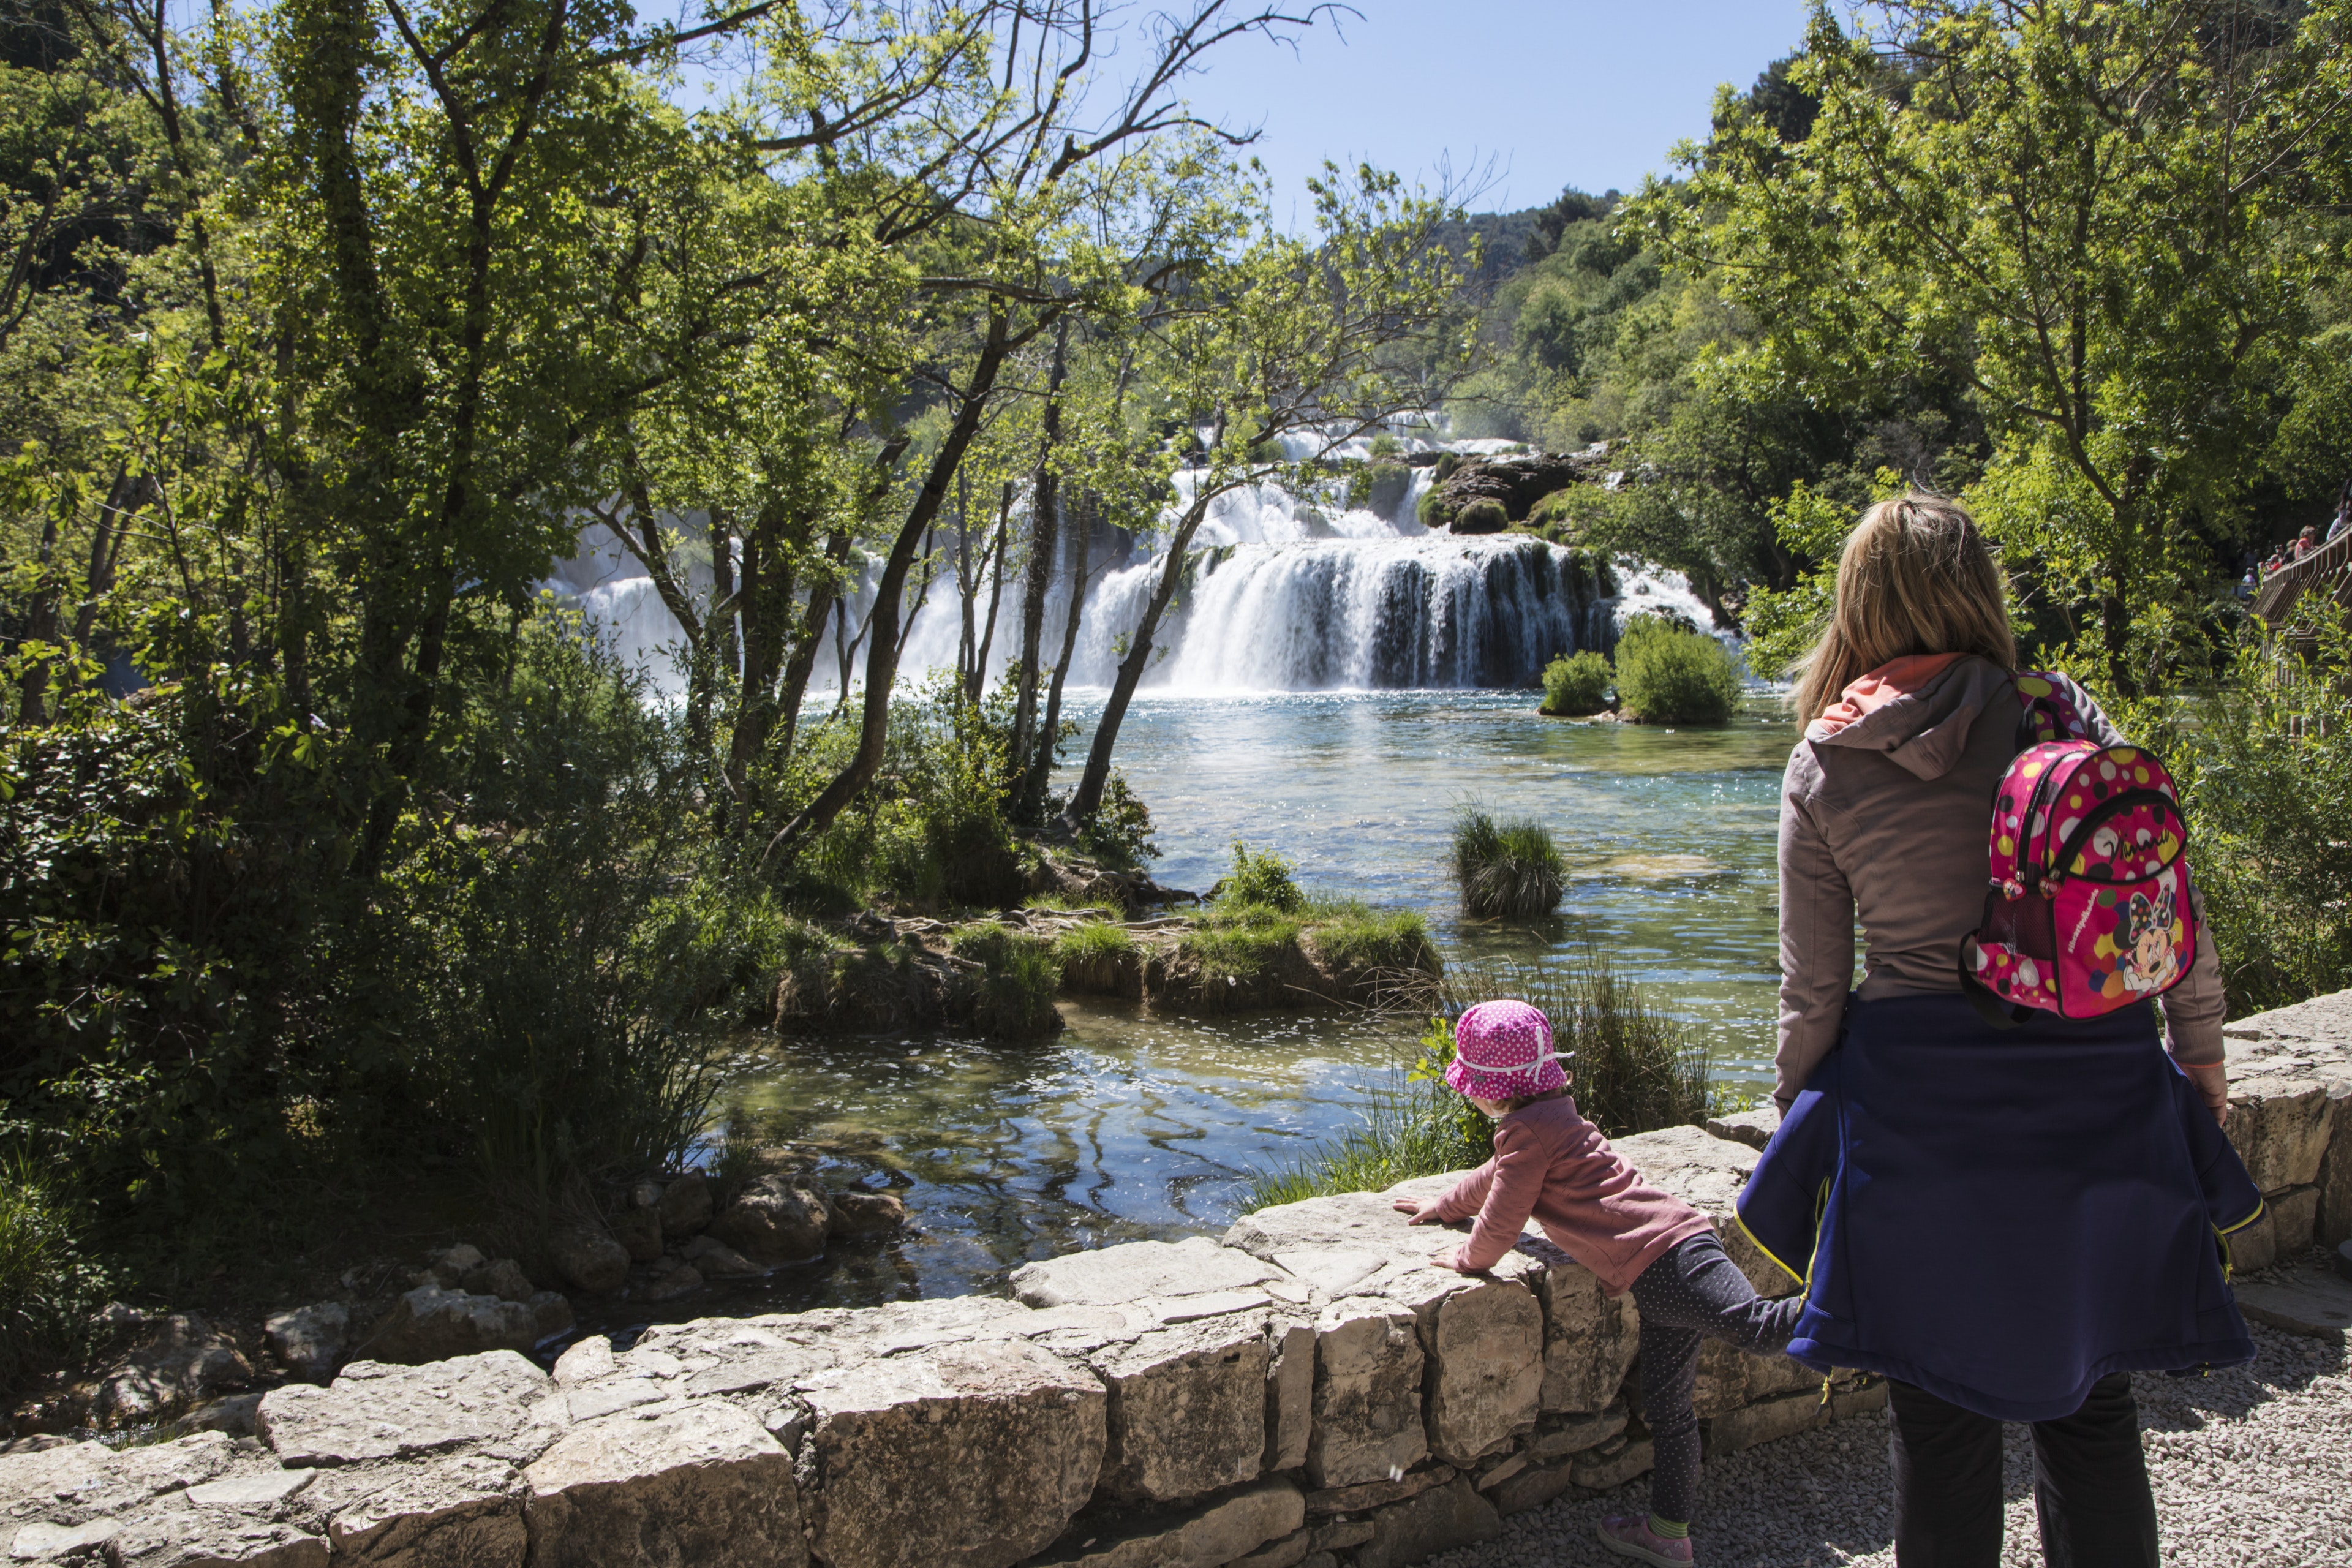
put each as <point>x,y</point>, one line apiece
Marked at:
<point>1695,1291</point>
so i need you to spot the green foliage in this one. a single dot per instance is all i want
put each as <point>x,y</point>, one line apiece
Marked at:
<point>1408,1128</point>
<point>1577,683</point>
<point>49,1285</point>
<point>2263,758</point>
<point>1485,515</point>
<point>1666,675</point>
<point>1094,942</point>
<point>1633,1068</point>
<point>1262,880</point>
<point>1379,486</point>
<point>1432,510</point>
<point>1385,445</point>
<point>1509,868</point>
<point>1118,834</point>
<point>1350,935</point>
<point>1472,1130</point>
<point>1237,940</point>
<point>1024,975</point>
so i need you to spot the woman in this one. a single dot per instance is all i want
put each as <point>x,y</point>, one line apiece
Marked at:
<point>2005,1223</point>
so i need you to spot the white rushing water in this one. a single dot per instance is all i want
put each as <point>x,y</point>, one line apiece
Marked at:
<point>1285,593</point>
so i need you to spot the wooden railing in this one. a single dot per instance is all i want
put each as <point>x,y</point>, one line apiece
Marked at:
<point>2327,568</point>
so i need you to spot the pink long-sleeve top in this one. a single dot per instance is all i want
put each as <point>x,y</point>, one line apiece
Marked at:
<point>1553,1164</point>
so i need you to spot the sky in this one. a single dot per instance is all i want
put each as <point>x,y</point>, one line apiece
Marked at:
<point>1592,93</point>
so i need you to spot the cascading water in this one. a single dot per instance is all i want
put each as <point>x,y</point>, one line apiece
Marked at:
<point>1284,593</point>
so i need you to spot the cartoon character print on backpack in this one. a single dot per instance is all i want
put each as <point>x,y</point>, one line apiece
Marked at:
<point>2141,955</point>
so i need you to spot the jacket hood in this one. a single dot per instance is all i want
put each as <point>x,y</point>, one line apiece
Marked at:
<point>1917,710</point>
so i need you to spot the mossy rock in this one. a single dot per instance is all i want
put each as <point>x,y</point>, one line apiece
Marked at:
<point>1485,515</point>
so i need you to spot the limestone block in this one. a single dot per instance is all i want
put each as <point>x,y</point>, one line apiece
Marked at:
<point>80,1482</point>
<point>1590,1341</point>
<point>251,1490</point>
<point>1208,1535</point>
<point>181,1537</point>
<point>41,1542</point>
<point>967,1454</point>
<point>1340,1535</point>
<point>2280,1128</point>
<point>1367,1421</point>
<point>1136,1270</point>
<point>465,1512</point>
<point>1187,1409</point>
<point>684,1206</point>
<point>1560,1436</point>
<point>429,1323</point>
<point>2335,1167</point>
<point>1707,1173</point>
<point>1765,1421</point>
<point>1287,1552</point>
<point>587,1257</point>
<point>373,1411</point>
<point>1532,1488</point>
<point>703,1484</point>
<point>1486,1367</point>
<point>776,1219</point>
<point>1754,1128</point>
<point>2307,1301</point>
<point>309,1340</point>
<point>1437,1521</point>
<point>2284,1231</point>
<point>1289,1393</point>
<point>1847,1403</point>
<point>1368,1494</point>
<point>1597,1471</point>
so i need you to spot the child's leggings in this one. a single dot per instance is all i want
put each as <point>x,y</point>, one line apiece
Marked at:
<point>1690,1292</point>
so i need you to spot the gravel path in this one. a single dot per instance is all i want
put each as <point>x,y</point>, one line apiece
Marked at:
<point>2252,1469</point>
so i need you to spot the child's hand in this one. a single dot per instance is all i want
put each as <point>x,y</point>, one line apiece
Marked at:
<point>1422,1213</point>
<point>1449,1259</point>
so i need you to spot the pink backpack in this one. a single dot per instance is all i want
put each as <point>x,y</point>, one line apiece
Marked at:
<point>2089,910</point>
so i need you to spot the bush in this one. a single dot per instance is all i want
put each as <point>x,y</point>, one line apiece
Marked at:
<point>1432,511</point>
<point>1118,834</point>
<point>1379,488</point>
<point>1509,868</point>
<point>1262,880</point>
<point>1576,683</point>
<point>1485,515</point>
<point>1666,675</point>
<point>49,1288</point>
<point>1016,995</point>
<point>1386,446</point>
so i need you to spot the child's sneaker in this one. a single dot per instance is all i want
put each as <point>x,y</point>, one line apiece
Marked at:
<point>1630,1536</point>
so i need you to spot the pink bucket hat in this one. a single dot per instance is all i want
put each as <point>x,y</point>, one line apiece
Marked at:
<point>1502,1050</point>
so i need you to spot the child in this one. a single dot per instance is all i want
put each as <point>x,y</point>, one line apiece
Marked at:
<point>1552,1163</point>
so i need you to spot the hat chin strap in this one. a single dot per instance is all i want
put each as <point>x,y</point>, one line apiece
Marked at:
<point>1547,1055</point>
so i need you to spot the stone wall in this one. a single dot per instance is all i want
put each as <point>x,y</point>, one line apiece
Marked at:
<point>1304,1393</point>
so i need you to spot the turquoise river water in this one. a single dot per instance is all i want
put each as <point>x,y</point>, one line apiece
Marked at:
<point>1127,1126</point>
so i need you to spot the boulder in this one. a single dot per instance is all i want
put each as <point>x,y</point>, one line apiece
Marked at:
<point>497,1403</point>
<point>450,1267</point>
<point>1753,1127</point>
<point>429,1323</point>
<point>585,1254</point>
<point>717,1260</point>
<point>180,1359</point>
<point>502,1278</point>
<point>2283,1232</point>
<point>684,1206</point>
<point>234,1416</point>
<point>309,1341</point>
<point>639,1232</point>
<point>670,1282</point>
<point>1211,1535</point>
<point>550,1312</point>
<point>2305,1301</point>
<point>465,1512</point>
<point>1437,1521</point>
<point>967,1455</point>
<point>702,1484</point>
<point>776,1219</point>
<point>1186,1411</point>
<point>2280,1126</point>
<point>855,1214</point>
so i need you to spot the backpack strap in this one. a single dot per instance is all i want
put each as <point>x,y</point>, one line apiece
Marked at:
<point>1985,1000</point>
<point>2051,713</point>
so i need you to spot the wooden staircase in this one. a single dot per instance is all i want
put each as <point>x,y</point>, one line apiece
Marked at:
<point>2326,570</point>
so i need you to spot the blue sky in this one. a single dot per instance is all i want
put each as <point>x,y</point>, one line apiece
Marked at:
<point>1592,93</point>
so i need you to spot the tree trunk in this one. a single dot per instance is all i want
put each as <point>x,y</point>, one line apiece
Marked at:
<point>1041,769</point>
<point>995,594</point>
<point>1045,543</point>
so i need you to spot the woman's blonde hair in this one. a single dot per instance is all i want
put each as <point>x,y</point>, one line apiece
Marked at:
<point>1916,576</point>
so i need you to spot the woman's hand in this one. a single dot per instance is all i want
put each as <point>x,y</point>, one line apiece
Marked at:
<point>1421,1212</point>
<point>2212,1082</point>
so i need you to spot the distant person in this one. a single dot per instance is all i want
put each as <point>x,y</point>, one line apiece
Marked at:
<point>2277,563</point>
<point>1553,1165</point>
<point>2343,512</point>
<point>2305,542</point>
<point>2004,1216</point>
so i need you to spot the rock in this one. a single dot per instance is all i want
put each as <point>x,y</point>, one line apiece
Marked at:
<point>684,1206</point>
<point>502,1278</point>
<point>81,1482</point>
<point>550,1313</point>
<point>639,1232</point>
<point>233,1417</point>
<point>646,1195</point>
<point>701,1485</point>
<point>464,1512</point>
<point>1753,1127</point>
<point>1532,1488</point>
<point>776,1219</point>
<point>450,1267</point>
<point>587,1257</point>
<point>1763,1422</point>
<point>1847,1403</point>
<point>717,1260</point>
<point>1494,1472</point>
<point>668,1284</point>
<point>967,1455</point>
<point>858,1214</point>
<point>1486,1367</point>
<point>1367,1423</point>
<point>1287,1552</point>
<point>1209,1535</point>
<point>2280,1126</point>
<point>1437,1521</point>
<point>429,1323</point>
<point>378,1411</point>
<point>170,1537</point>
<point>1139,1270</point>
<point>586,1361</point>
<point>1289,1395</point>
<point>41,1542</point>
<point>311,1339</point>
<point>2335,1167</point>
<point>1597,1471</point>
<point>2309,1302</point>
<point>1187,1409</point>
<point>181,1359</point>
<point>2284,1231</point>
<point>1559,1437</point>
<point>1707,1173</point>
<point>1340,1535</point>
<point>1376,1494</point>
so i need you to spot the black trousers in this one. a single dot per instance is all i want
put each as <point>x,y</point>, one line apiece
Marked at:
<point>2090,1482</point>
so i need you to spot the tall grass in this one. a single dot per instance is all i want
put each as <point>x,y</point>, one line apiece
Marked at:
<point>47,1286</point>
<point>1508,868</point>
<point>1410,1128</point>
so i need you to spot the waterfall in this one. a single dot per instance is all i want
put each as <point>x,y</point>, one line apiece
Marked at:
<point>1282,591</point>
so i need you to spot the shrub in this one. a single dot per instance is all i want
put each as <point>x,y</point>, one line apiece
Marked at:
<point>1669,676</point>
<point>1016,995</point>
<point>1118,834</point>
<point>1509,868</point>
<point>1433,511</point>
<point>1262,880</point>
<point>1379,488</point>
<point>1576,683</point>
<point>1485,515</point>
<point>48,1287</point>
<point>1386,446</point>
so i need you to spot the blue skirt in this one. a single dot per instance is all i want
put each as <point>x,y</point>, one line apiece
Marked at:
<point>2004,1219</point>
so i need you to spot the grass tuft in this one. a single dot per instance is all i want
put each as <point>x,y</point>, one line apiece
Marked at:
<point>1094,942</point>
<point>1016,996</point>
<point>1509,868</point>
